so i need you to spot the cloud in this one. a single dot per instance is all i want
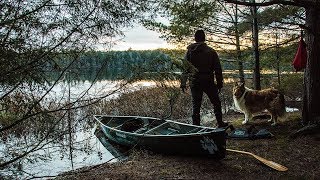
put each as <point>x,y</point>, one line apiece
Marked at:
<point>140,38</point>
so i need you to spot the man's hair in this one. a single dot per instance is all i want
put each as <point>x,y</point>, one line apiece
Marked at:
<point>199,36</point>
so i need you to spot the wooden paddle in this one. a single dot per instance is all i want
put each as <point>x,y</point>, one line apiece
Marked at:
<point>271,164</point>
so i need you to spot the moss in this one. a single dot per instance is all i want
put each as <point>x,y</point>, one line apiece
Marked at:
<point>7,118</point>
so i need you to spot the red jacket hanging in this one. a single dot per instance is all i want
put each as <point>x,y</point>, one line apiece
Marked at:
<point>300,60</point>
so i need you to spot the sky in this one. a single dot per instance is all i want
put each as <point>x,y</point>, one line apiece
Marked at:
<point>139,38</point>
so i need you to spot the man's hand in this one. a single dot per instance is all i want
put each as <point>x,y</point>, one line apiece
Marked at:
<point>183,82</point>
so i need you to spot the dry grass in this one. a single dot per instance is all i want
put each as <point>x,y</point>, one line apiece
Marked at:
<point>300,155</point>
<point>155,102</point>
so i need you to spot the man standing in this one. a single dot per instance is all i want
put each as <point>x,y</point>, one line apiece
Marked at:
<point>204,67</point>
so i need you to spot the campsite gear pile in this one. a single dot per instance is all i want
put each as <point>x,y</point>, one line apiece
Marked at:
<point>248,133</point>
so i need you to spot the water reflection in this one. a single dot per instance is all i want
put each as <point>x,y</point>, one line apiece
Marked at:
<point>86,151</point>
<point>118,152</point>
<point>55,155</point>
<point>59,141</point>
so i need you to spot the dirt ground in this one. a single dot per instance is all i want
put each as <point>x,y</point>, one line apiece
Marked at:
<point>300,155</point>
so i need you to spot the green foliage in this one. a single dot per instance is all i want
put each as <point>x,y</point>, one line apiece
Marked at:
<point>185,17</point>
<point>7,118</point>
<point>285,55</point>
<point>292,85</point>
<point>274,16</point>
<point>268,58</point>
<point>188,14</point>
<point>280,14</point>
<point>34,33</point>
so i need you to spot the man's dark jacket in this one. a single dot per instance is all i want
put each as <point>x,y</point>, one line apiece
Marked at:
<point>206,65</point>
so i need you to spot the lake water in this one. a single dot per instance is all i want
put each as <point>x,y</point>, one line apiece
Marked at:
<point>56,157</point>
<point>59,162</point>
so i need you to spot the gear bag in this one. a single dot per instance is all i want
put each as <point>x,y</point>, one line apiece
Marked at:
<point>300,59</point>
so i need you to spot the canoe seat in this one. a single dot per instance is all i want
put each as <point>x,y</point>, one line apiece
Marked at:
<point>131,125</point>
<point>172,131</point>
<point>203,130</point>
<point>142,129</point>
<point>155,128</point>
<point>194,130</point>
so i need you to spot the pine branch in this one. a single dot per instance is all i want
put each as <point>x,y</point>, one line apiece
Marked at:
<point>299,3</point>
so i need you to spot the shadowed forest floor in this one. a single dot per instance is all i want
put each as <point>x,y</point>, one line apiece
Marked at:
<point>300,155</point>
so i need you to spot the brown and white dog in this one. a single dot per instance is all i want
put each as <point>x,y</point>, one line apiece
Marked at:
<point>251,101</point>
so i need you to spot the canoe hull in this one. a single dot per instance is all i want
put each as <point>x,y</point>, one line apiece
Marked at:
<point>211,144</point>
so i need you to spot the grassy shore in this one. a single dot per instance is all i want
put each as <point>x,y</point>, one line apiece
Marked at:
<point>300,155</point>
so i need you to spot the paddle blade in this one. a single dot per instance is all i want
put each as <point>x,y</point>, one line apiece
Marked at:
<point>271,164</point>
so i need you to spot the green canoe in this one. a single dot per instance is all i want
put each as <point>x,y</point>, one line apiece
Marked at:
<point>164,136</point>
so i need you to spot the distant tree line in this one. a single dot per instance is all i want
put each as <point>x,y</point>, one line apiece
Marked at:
<point>139,64</point>
<point>114,65</point>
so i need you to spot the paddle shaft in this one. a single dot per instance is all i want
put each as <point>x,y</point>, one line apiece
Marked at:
<point>271,164</point>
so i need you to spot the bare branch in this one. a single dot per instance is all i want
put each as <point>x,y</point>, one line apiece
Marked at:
<point>300,3</point>
<point>25,14</point>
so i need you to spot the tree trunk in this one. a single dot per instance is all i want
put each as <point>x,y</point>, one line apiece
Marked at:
<point>278,60</point>
<point>240,64</point>
<point>255,36</point>
<point>311,99</point>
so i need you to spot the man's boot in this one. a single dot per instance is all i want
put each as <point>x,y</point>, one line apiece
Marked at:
<point>196,120</point>
<point>220,123</point>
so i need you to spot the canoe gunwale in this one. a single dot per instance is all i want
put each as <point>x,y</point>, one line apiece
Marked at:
<point>145,134</point>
